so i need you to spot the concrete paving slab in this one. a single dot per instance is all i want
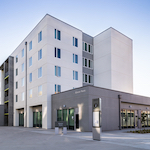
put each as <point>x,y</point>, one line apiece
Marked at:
<point>16,138</point>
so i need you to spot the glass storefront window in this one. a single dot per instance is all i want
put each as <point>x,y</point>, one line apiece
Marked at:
<point>59,115</point>
<point>65,116</point>
<point>132,119</point>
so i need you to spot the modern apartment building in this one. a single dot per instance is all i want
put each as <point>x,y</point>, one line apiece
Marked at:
<point>56,57</point>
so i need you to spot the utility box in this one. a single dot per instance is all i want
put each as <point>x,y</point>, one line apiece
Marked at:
<point>97,111</point>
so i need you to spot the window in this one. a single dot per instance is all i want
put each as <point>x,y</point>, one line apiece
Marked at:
<point>30,77</point>
<point>16,71</point>
<point>16,85</point>
<point>87,63</point>
<point>40,90</point>
<point>87,78</point>
<point>22,81</point>
<point>75,42</point>
<point>57,34</point>
<point>57,52</point>
<point>75,75</point>
<point>57,88</point>
<point>87,47</point>
<point>23,96</point>
<point>22,67</point>
<point>16,58</point>
<point>23,53</point>
<point>40,54</point>
<point>30,45</point>
<point>57,71</point>
<point>75,58</point>
<point>40,72</point>
<point>16,98</point>
<point>30,61</point>
<point>30,93</point>
<point>40,37</point>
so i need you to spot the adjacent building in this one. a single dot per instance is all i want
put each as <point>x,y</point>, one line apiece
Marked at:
<point>57,57</point>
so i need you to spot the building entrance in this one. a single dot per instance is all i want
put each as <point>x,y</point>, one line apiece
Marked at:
<point>37,119</point>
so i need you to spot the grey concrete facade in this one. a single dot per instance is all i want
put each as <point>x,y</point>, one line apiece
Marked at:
<point>1,115</point>
<point>81,98</point>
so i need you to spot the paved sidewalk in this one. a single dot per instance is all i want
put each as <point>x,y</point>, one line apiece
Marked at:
<point>16,138</point>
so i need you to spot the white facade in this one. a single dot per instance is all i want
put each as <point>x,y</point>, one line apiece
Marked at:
<point>111,66</point>
<point>113,61</point>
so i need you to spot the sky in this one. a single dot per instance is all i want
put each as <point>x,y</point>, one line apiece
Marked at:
<point>130,17</point>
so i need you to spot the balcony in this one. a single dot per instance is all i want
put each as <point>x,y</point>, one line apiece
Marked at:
<point>6,86</point>
<point>6,98</point>
<point>6,74</point>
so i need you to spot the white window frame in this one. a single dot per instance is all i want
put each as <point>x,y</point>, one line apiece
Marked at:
<point>22,82</point>
<point>22,52</point>
<point>58,71</point>
<point>40,90</point>
<point>83,61</point>
<point>74,75</point>
<point>39,36</point>
<point>40,72</point>
<point>22,67</point>
<point>30,78</point>
<point>22,96</point>
<point>30,61</point>
<point>87,78</point>
<point>56,52</point>
<point>30,93</point>
<point>83,47</point>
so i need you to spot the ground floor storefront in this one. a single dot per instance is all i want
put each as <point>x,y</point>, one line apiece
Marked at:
<point>119,110</point>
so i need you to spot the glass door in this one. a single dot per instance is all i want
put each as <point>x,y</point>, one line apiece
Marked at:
<point>71,119</point>
<point>21,119</point>
<point>37,119</point>
<point>65,116</point>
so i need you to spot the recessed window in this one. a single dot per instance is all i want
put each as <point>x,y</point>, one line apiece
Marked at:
<point>30,61</point>
<point>30,45</point>
<point>75,42</point>
<point>75,58</point>
<point>30,93</point>
<point>57,71</point>
<point>75,75</point>
<point>40,54</point>
<point>16,58</point>
<point>40,90</point>
<point>23,53</point>
<point>87,63</point>
<point>30,77</point>
<point>87,47</point>
<point>22,81</point>
<point>39,36</point>
<point>23,96</point>
<point>57,34</point>
<point>16,85</point>
<point>87,78</point>
<point>16,71</point>
<point>40,72</point>
<point>16,98</point>
<point>57,88</point>
<point>22,67</point>
<point>57,52</point>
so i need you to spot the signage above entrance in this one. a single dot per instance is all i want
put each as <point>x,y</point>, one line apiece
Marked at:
<point>81,91</point>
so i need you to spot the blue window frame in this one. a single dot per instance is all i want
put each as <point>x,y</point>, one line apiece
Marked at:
<point>40,54</point>
<point>57,88</point>
<point>30,77</point>
<point>75,75</point>
<point>22,67</point>
<point>57,52</point>
<point>40,36</point>
<point>40,72</point>
<point>75,58</point>
<point>30,45</point>
<point>75,42</point>
<point>23,53</point>
<point>30,61</point>
<point>57,71</point>
<point>57,34</point>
